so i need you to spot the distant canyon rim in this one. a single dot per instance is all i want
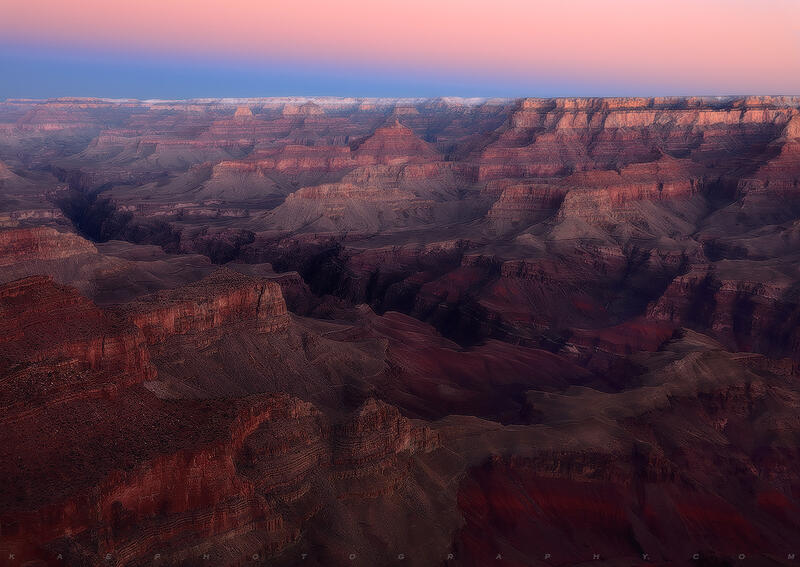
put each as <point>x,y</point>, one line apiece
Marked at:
<point>561,331</point>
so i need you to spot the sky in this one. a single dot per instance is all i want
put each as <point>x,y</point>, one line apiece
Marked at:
<point>497,48</point>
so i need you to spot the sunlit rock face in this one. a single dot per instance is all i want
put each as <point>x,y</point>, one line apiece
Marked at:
<point>310,329</point>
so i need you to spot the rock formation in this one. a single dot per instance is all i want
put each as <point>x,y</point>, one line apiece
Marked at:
<point>394,144</point>
<point>40,244</point>
<point>444,329</point>
<point>222,297</point>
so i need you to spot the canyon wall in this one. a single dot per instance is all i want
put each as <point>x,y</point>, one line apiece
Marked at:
<point>445,329</point>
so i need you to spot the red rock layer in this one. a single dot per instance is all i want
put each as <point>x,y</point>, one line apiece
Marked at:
<point>550,259</point>
<point>49,329</point>
<point>180,476</point>
<point>608,199</point>
<point>223,297</point>
<point>575,506</point>
<point>665,179</point>
<point>40,243</point>
<point>392,145</point>
<point>523,204</point>
<point>551,137</point>
<point>231,479</point>
<point>347,206</point>
<point>748,307</point>
<point>292,159</point>
<point>781,175</point>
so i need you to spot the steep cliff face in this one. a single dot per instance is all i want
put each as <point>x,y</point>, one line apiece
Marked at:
<point>523,204</point>
<point>243,479</point>
<point>40,244</point>
<point>223,297</point>
<point>257,483</point>
<point>343,206</point>
<point>779,176</point>
<point>628,492</point>
<point>290,159</point>
<point>365,456</point>
<point>375,430</point>
<point>661,180</point>
<point>49,329</point>
<point>748,305</point>
<point>181,476</point>
<point>603,199</point>
<point>641,200</point>
<point>549,137</point>
<point>392,145</point>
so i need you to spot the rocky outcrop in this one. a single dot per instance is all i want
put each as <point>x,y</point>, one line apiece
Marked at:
<point>375,430</point>
<point>345,206</point>
<point>290,159</point>
<point>603,199</point>
<point>523,204</point>
<point>243,113</point>
<point>304,158</point>
<point>229,480</point>
<point>556,136</point>
<point>392,145</point>
<point>186,476</point>
<point>51,330</point>
<point>40,244</point>
<point>780,176</point>
<point>748,306</point>
<point>16,218</point>
<point>665,179</point>
<point>305,109</point>
<point>365,455</point>
<point>222,298</point>
<point>623,202</point>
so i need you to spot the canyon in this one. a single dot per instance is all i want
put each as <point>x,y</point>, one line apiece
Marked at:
<point>340,331</point>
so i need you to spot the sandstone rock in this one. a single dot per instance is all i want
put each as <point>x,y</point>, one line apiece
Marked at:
<point>51,329</point>
<point>394,144</point>
<point>521,205</point>
<point>306,109</point>
<point>563,325</point>
<point>243,113</point>
<point>40,244</point>
<point>780,176</point>
<point>549,137</point>
<point>223,297</point>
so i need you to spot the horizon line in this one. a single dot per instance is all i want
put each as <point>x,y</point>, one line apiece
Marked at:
<point>410,99</point>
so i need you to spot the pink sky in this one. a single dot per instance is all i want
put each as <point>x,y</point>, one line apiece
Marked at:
<point>730,45</point>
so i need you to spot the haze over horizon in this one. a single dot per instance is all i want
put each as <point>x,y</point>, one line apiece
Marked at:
<point>190,49</point>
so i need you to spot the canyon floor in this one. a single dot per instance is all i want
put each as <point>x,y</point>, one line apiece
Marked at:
<point>422,332</point>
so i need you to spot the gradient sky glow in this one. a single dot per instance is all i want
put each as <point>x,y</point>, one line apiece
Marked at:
<point>197,48</point>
